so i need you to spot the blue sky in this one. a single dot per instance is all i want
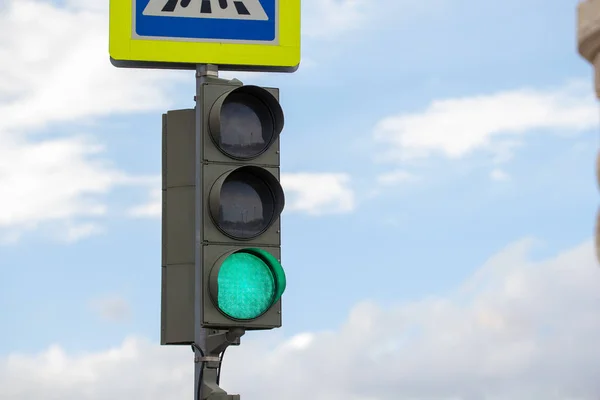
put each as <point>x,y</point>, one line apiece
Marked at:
<point>438,161</point>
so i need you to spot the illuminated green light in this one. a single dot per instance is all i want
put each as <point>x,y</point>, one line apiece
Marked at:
<point>249,283</point>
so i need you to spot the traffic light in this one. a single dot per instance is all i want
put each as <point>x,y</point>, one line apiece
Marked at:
<point>243,279</point>
<point>242,199</point>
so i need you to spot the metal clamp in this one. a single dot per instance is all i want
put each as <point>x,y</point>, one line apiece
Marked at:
<point>210,359</point>
<point>207,359</point>
<point>207,70</point>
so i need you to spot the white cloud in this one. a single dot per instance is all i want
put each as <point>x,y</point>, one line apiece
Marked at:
<point>112,308</point>
<point>53,179</point>
<point>330,18</point>
<point>80,231</point>
<point>500,175</point>
<point>44,180</point>
<point>58,71</point>
<point>517,330</point>
<point>151,209</point>
<point>495,123</point>
<point>396,177</point>
<point>54,70</point>
<point>89,5</point>
<point>318,193</point>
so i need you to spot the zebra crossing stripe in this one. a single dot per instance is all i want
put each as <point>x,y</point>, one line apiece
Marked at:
<point>241,8</point>
<point>170,6</point>
<point>217,9</point>
<point>205,8</point>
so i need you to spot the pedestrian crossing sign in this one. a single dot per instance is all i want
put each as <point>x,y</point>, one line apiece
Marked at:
<point>246,35</point>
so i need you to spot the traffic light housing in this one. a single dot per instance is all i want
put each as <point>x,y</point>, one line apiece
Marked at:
<point>243,279</point>
<point>242,199</point>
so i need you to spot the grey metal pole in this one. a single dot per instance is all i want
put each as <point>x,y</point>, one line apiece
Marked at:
<point>200,334</point>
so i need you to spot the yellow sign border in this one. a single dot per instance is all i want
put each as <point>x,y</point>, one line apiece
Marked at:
<point>286,54</point>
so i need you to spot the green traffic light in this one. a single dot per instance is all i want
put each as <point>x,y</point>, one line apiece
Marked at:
<point>249,282</point>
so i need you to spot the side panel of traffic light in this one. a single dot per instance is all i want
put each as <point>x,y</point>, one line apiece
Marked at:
<point>178,187</point>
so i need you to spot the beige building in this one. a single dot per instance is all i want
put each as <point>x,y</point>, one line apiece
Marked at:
<point>588,44</point>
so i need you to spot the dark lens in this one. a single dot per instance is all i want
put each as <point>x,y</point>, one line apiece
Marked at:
<point>247,205</point>
<point>246,126</point>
